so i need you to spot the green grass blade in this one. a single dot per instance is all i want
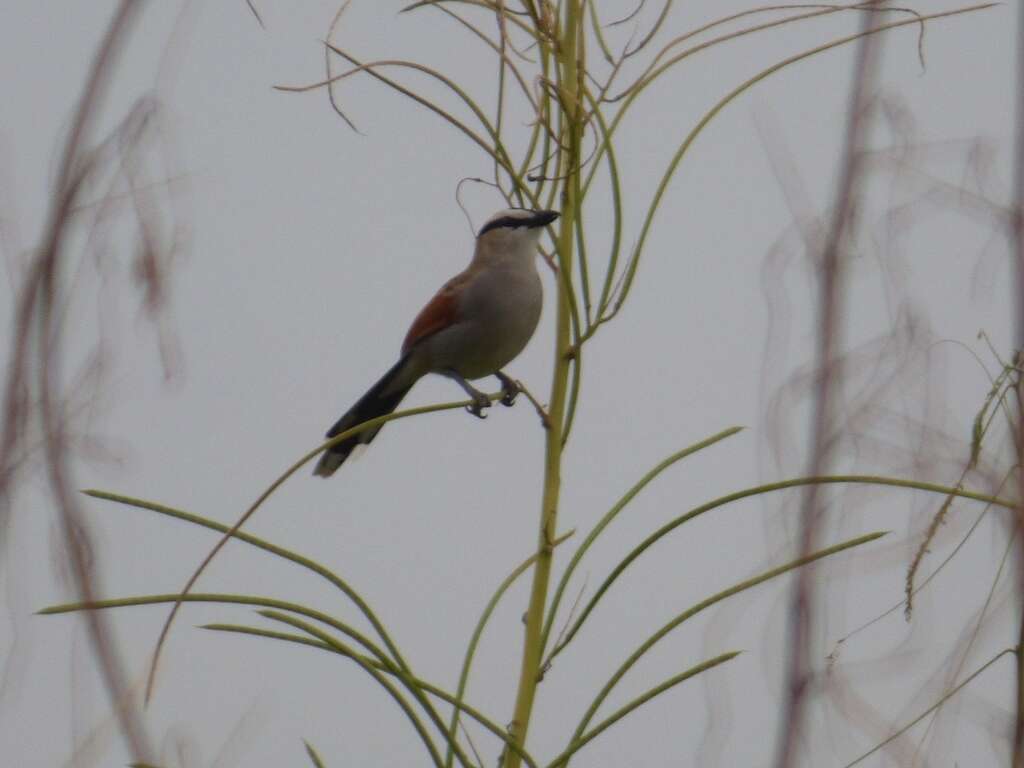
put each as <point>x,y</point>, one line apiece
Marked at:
<point>581,256</point>
<point>575,382</point>
<point>651,641</point>
<point>313,756</point>
<point>756,491</point>
<point>285,554</point>
<point>230,599</point>
<point>381,680</point>
<point>410,683</point>
<point>609,516</point>
<point>595,25</point>
<point>230,532</point>
<point>433,690</point>
<point>616,191</point>
<point>730,97</point>
<point>636,703</point>
<point>653,71</point>
<point>492,7</point>
<point>653,31</point>
<point>494,149</point>
<point>381,659</point>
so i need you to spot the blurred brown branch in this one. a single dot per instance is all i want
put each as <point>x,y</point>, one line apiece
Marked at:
<point>798,668</point>
<point>35,395</point>
<point>1018,249</point>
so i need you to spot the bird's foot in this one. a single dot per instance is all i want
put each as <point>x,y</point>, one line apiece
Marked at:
<point>480,401</point>
<point>510,389</point>
<point>508,397</point>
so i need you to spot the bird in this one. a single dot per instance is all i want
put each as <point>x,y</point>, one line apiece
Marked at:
<point>476,324</point>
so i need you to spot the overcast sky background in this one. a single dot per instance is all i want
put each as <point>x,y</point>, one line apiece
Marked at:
<point>306,249</point>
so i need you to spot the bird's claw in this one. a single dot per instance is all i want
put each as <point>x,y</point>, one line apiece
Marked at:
<point>510,390</point>
<point>509,395</point>
<point>477,408</point>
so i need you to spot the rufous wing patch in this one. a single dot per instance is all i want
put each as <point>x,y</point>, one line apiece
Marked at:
<point>439,313</point>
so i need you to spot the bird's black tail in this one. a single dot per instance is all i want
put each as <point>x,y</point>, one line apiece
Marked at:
<point>382,398</point>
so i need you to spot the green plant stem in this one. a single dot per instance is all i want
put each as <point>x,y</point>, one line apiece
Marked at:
<point>530,671</point>
<point>460,692</point>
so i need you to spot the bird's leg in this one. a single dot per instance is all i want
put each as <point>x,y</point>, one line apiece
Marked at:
<point>509,389</point>
<point>480,400</point>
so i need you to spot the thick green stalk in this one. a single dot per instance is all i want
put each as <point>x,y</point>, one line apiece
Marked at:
<point>533,652</point>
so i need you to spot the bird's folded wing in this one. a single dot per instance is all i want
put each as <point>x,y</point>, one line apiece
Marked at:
<point>440,312</point>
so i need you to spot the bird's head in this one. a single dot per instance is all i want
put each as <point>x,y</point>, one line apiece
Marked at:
<point>513,229</point>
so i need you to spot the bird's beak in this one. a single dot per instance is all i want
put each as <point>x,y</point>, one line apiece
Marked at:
<point>543,218</point>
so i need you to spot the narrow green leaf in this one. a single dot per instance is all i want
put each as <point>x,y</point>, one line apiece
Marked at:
<point>433,690</point>
<point>230,599</point>
<point>609,516</point>
<point>636,703</point>
<point>313,756</point>
<point>408,681</point>
<point>273,549</point>
<point>756,491</point>
<point>651,641</point>
<point>229,534</point>
<point>731,96</point>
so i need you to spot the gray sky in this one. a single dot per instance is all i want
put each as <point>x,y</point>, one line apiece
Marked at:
<point>306,249</point>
